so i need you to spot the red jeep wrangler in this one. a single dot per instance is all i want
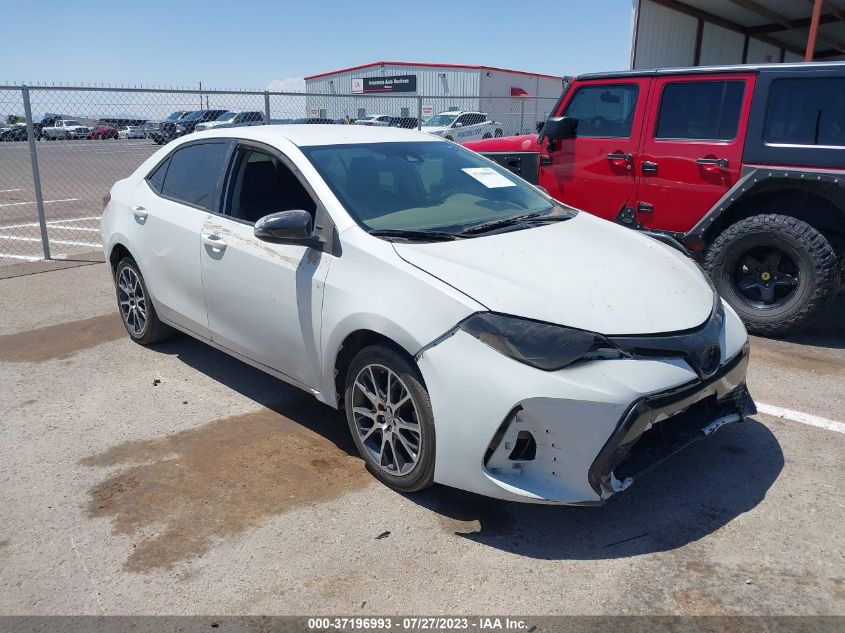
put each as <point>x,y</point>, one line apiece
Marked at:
<point>743,165</point>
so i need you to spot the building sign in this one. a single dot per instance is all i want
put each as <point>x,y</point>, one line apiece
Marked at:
<point>427,111</point>
<point>313,113</point>
<point>396,83</point>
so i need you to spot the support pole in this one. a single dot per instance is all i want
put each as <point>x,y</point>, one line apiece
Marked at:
<point>36,176</point>
<point>814,29</point>
<point>266,108</point>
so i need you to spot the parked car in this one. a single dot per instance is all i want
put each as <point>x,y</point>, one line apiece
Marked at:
<point>437,298</point>
<point>409,122</point>
<point>130,131</point>
<point>170,130</point>
<point>152,129</point>
<point>312,121</point>
<point>66,129</point>
<point>462,126</point>
<point>47,121</point>
<point>13,133</point>
<point>379,120</point>
<point>103,132</point>
<point>233,118</point>
<point>742,165</point>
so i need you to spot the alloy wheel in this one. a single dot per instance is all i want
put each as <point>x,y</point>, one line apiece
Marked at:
<point>386,419</point>
<point>765,277</point>
<point>133,303</point>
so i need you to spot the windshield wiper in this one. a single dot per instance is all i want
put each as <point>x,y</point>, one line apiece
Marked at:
<point>416,235</point>
<point>528,219</point>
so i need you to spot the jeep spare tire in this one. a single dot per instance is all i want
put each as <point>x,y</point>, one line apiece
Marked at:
<point>776,271</point>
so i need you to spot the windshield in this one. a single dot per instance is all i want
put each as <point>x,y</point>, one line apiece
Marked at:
<point>175,116</point>
<point>440,120</point>
<point>71,122</point>
<point>414,186</point>
<point>194,115</point>
<point>227,116</point>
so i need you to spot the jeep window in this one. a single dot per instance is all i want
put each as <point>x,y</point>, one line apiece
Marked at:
<point>806,112</point>
<point>604,111</point>
<point>193,172</point>
<point>700,110</point>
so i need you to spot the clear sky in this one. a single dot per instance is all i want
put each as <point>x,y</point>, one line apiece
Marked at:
<point>251,44</point>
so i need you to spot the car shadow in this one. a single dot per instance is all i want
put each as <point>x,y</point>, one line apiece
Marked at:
<point>828,330</point>
<point>691,495</point>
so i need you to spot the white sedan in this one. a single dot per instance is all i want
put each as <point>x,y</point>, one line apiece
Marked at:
<point>377,120</point>
<point>131,131</point>
<point>476,332</point>
<point>462,126</point>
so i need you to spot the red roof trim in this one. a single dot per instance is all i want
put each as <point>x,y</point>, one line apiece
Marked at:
<point>429,65</point>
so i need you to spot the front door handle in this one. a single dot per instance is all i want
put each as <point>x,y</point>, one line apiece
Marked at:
<point>214,242</point>
<point>649,167</point>
<point>140,213</point>
<point>719,162</point>
<point>619,156</point>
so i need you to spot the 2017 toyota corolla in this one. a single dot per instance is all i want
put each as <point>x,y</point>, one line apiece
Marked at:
<point>476,332</point>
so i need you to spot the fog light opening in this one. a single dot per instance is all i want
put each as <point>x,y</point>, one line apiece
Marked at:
<point>524,448</point>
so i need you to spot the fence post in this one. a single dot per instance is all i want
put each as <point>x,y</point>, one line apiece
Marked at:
<point>266,108</point>
<point>36,176</point>
<point>522,115</point>
<point>419,113</point>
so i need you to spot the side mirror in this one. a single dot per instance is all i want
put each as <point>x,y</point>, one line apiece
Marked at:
<point>560,127</point>
<point>285,227</point>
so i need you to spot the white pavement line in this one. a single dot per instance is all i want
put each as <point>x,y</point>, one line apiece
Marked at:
<point>17,204</point>
<point>90,217</point>
<point>23,257</point>
<point>803,418</point>
<point>59,227</point>
<point>25,225</point>
<point>52,241</point>
<point>8,190</point>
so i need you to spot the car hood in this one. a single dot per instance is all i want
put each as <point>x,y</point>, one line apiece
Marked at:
<point>435,130</point>
<point>585,273</point>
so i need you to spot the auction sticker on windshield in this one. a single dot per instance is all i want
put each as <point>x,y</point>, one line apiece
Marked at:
<point>490,178</point>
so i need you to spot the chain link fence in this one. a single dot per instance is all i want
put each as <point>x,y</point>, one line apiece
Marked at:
<point>62,148</point>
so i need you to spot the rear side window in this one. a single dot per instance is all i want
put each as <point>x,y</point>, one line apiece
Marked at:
<point>193,173</point>
<point>806,112</point>
<point>700,110</point>
<point>604,111</point>
<point>156,179</point>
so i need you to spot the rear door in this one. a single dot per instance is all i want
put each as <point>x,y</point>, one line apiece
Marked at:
<point>169,209</point>
<point>595,170</point>
<point>692,150</point>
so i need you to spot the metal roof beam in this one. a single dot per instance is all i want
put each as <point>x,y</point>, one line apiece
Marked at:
<point>803,23</point>
<point>759,9</point>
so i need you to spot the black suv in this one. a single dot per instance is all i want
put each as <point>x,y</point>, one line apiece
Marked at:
<point>170,130</point>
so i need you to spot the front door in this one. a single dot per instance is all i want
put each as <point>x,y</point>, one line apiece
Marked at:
<point>595,170</point>
<point>168,211</point>
<point>692,147</point>
<point>264,300</point>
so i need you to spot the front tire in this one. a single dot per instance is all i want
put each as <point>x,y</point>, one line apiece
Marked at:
<point>498,133</point>
<point>135,306</point>
<point>776,271</point>
<point>389,414</point>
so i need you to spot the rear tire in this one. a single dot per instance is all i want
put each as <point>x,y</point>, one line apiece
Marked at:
<point>487,135</point>
<point>389,414</point>
<point>498,133</point>
<point>776,271</point>
<point>136,307</point>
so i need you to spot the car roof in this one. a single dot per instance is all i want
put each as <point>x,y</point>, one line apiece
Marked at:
<point>703,70</point>
<point>305,135</point>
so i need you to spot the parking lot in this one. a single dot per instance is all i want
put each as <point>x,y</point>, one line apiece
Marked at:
<point>177,480</point>
<point>74,175</point>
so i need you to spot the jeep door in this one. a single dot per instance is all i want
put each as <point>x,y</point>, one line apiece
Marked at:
<point>692,147</point>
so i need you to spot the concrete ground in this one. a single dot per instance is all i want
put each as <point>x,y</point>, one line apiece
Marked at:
<point>176,480</point>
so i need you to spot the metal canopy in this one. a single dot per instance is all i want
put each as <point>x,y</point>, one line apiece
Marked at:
<point>814,29</point>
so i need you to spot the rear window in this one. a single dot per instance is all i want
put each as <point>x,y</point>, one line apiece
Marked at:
<point>700,110</point>
<point>193,173</point>
<point>807,111</point>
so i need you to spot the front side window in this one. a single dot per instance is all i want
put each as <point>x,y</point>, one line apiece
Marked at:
<point>418,186</point>
<point>261,184</point>
<point>700,110</point>
<point>807,111</point>
<point>604,111</point>
<point>193,174</point>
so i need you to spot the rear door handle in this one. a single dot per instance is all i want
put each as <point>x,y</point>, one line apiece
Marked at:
<point>649,167</point>
<point>720,162</point>
<point>213,241</point>
<point>619,156</point>
<point>140,213</point>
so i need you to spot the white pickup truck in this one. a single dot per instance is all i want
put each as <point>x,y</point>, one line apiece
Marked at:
<point>65,129</point>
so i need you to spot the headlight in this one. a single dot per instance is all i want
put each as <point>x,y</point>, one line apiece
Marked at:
<point>541,345</point>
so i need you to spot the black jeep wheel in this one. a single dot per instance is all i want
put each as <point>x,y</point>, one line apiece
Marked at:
<point>776,271</point>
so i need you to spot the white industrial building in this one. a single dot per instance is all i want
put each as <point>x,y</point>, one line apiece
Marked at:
<point>518,99</point>
<point>670,33</point>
